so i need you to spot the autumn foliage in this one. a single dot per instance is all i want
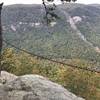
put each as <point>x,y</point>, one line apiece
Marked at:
<point>83,83</point>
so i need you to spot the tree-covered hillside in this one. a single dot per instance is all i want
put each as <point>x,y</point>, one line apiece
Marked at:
<point>73,38</point>
<point>75,34</point>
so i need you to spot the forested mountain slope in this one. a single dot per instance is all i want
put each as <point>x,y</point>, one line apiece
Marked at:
<point>75,34</point>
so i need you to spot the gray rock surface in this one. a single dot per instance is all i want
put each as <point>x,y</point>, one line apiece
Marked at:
<point>7,77</point>
<point>3,93</point>
<point>34,87</point>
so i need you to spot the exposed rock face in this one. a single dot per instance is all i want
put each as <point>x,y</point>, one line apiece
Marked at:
<point>7,77</point>
<point>34,87</point>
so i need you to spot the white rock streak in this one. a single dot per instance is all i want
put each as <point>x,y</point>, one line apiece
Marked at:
<point>77,19</point>
<point>72,22</point>
<point>13,27</point>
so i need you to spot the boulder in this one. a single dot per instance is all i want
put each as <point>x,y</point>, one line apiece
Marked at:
<point>35,87</point>
<point>7,77</point>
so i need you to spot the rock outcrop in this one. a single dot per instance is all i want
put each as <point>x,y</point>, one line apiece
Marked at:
<point>33,87</point>
<point>7,77</point>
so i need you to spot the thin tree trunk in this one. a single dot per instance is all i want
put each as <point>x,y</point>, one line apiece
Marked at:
<point>0,37</point>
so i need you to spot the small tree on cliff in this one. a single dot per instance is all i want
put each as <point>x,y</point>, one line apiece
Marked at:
<point>50,9</point>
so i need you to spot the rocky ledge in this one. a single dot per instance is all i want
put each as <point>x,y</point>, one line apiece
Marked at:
<point>32,87</point>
